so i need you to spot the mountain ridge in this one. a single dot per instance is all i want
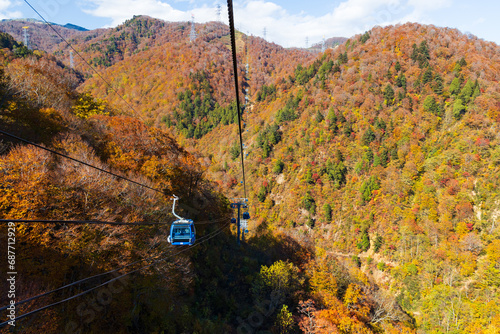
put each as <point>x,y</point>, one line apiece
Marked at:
<point>43,37</point>
<point>377,160</point>
<point>30,20</point>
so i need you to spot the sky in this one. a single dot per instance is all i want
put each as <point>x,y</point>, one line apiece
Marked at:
<point>289,23</point>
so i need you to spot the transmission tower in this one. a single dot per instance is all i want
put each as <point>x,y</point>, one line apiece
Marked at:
<point>26,37</point>
<point>307,42</point>
<point>192,35</point>
<point>71,62</point>
<point>265,33</point>
<point>218,11</point>
<point>323,45</point>
<point>247,67</point>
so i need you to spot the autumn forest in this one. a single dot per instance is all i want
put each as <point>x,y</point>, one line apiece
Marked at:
<point>372,173</point>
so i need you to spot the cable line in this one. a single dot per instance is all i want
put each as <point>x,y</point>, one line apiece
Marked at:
<point>131,107</point>
<point>79,55</point>
<point>235,70</point>
<point>208,237</point>
<point>155,259</point>
<point>102,274</point>
<point>99,169</point>
<point>78,222</point>
<point>98,275</point>
<point>98,222</point>
<point>79,161</point>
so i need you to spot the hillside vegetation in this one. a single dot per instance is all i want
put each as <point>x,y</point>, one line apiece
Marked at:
<point>382,151</point>
<point>154,67</point>
<point>41,36</point>
<point>386,150</point>
<point>40,104</point>
<point>373,173</point>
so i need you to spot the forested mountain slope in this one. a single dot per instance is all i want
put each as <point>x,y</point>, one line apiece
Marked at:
<point>387,149</point>
<point>373,171</point>
<point>207,288</point>
<point>384,149</point>
<point>40,35</point>
<point>165,76</point>
<point>40,104</point>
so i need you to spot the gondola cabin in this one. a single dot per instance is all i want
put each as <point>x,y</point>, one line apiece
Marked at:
<point>182,232</point>
<point>246,215</point>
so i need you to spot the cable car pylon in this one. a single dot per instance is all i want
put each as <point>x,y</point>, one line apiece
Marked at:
<point>242,202</point>
<point>239,203</point>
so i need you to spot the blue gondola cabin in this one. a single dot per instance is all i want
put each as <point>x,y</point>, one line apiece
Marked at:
<point>182,232</point>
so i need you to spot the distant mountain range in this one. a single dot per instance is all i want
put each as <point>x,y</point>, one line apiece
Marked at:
<point>329,43</point>
<point>41,36</point>
<point>67,25</point>
<point>383,152</point>
<point>45,39</point>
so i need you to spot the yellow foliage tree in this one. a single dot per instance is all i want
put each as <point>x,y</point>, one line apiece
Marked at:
<point>86,105</point>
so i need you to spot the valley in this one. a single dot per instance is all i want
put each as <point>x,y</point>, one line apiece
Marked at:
<point>372,172</point>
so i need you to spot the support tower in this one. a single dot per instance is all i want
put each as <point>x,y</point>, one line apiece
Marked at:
<point>26,37</point>
<point>192,35</point>
<point>218,11</point>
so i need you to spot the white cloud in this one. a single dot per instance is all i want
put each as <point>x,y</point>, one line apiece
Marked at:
<point>429,5</point>
<point>5,13</point>
<point>120,10</point>
<point>421,9</point>
<point>355,10</point>
<point>480,20</point>
<point>265,9</point>
<point>348,18</point>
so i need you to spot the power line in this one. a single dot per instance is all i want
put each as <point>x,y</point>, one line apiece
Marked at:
<point>94,222</point>
<point>92,277</point>
<point>102,274</point>
<point>78,222</point>
<point>85,61</point>
<point>79,161</point>
<point>105,283</point>
<point>99,222</point>
<point>109,85</point>
<point>235,69</point>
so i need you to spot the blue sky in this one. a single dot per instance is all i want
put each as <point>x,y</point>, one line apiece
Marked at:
<point>287,23</point>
